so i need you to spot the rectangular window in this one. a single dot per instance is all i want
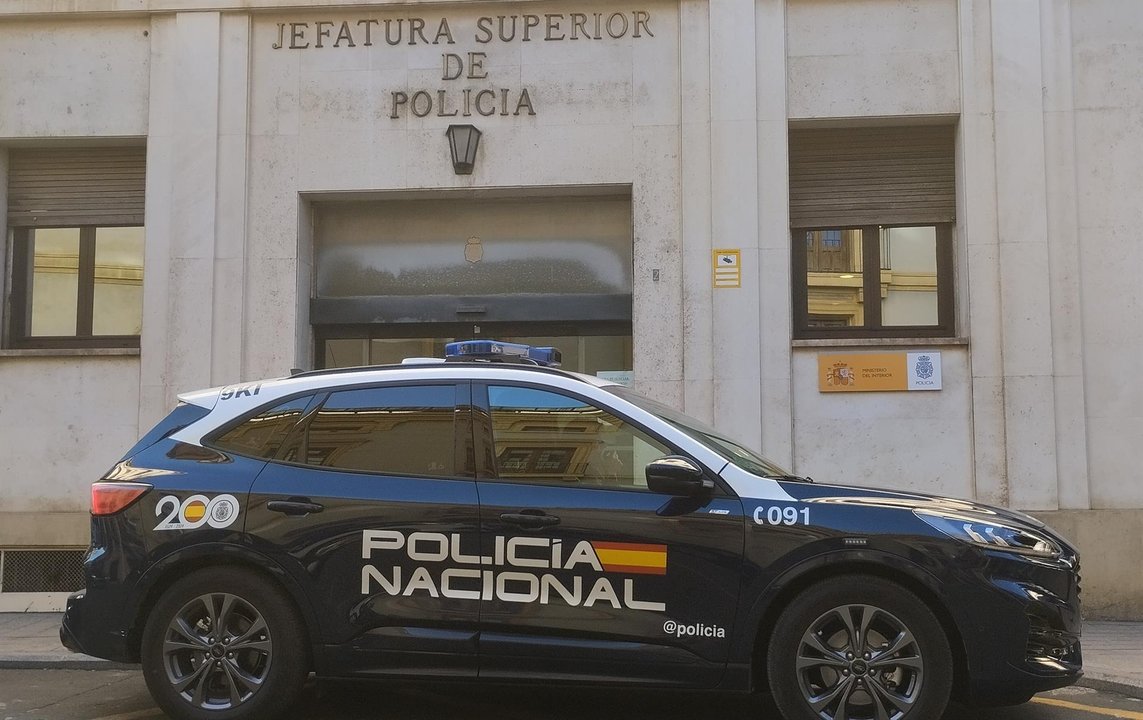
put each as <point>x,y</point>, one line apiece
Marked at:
<point>911,288</point>
<point>871,216</point>
<point>389,430</point>
<point>77,287</point>
<point>548,438</point>
<point>75,216</point>
<point>117,303</point>
<point>55,282</point>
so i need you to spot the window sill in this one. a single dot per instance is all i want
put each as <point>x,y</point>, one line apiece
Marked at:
<point>879,342</point>
<point>70,352</point>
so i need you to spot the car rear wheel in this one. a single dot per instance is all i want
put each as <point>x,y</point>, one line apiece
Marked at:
<point>224,644</point>
<point>859,648</point>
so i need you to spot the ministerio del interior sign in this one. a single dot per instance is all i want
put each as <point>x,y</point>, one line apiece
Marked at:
<point>468,48</point>
<point>879,372</point>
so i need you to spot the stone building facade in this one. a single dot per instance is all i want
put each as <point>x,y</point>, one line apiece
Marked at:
<point>257,185</point>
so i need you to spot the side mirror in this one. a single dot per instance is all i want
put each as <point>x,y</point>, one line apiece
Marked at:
<point>677,475</point>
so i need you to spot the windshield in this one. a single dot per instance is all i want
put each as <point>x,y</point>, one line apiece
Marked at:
<point>733,452</point>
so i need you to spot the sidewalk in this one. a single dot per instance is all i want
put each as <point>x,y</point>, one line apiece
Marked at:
<point>1113,651</point>
<point>1113,657</point>
<point>32,641</point>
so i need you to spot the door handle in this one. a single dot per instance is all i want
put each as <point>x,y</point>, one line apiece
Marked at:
<point>295,507</point>
<point>530,519</point>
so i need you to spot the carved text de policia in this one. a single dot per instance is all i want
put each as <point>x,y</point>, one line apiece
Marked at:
<point>485,99</point>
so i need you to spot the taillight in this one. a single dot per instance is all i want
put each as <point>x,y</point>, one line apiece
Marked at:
<point>108,498</point>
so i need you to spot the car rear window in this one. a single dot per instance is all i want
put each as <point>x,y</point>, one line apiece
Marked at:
<point>184,414</point>
<point>263,434</point>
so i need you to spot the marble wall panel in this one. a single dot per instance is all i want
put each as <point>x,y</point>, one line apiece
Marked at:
<point>85,78</point>
<point>1030,438</point>
<point>989,449</point>
<point>272,318</point>
<point>920,441</point>
<point>872,58</point>
<point>657,220</point>
<point>59,431</point>
<point>1108,52</point>
<point>1113,341</point>
<point>1114,467</point>
<point>1108,130</point>
<point>1109,170</point>
<point>695,176</point>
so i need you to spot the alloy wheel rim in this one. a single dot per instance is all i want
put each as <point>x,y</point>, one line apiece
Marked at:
<point>859,662</point>
<point>217,651</point>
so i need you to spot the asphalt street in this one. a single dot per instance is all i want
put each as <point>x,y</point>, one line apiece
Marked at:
<point>121,695</point>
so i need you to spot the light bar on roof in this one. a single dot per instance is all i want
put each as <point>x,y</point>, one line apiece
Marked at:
<point>496,350</point>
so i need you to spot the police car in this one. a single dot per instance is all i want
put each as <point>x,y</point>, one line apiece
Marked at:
<point>465,518</point>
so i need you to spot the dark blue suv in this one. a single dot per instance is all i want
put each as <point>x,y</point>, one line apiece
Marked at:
<point>517,523</point>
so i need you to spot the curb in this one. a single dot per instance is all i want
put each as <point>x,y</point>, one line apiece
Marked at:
<point>50,662</point>
<point>83,662</point>
<point>1113,686</point>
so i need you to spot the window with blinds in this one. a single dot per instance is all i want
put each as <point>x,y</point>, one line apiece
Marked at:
<point>76,216</point>
<point>871,215</point>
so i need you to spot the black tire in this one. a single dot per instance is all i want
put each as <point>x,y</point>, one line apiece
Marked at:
<point>260,659</point>
<point>904,669</point>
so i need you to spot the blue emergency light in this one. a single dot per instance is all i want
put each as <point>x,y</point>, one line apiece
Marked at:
<point>495,350</point>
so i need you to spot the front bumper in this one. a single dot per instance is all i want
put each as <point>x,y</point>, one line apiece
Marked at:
<point>1025,638</point>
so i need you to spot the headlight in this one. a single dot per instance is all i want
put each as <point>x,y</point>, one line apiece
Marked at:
<point>990,534</point>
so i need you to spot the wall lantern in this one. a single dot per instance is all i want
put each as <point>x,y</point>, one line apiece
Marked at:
<point>463,141</point>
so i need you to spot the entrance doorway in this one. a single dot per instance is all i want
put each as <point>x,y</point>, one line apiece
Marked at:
<point>397,278</point>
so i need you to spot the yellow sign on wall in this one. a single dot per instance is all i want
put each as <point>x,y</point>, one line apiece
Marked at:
<point>727,268</point>
<point>879,372</point>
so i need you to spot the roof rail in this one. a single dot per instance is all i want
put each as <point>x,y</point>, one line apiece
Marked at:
<point>513,363</point>
<point>344,370</point>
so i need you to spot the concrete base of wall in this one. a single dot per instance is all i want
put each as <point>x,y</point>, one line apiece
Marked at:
<point>1111,546</point>
<point>45,529</point>
<point>32,602</point>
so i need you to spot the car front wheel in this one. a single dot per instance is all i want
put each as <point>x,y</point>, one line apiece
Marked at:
<point>224,644</point>
<point>859,648</point>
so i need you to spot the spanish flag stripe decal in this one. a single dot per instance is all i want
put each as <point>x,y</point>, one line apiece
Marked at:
<point>627,546</point>
<point>632,557</point>
<point>634,569</point>
<point>637,558</point>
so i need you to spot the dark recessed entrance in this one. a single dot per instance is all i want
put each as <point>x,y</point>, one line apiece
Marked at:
<point>400,278</point>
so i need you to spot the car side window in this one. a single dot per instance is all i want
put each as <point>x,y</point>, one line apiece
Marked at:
<point>404,430</point>
<point>554,439</point>
<point>261,435</point>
